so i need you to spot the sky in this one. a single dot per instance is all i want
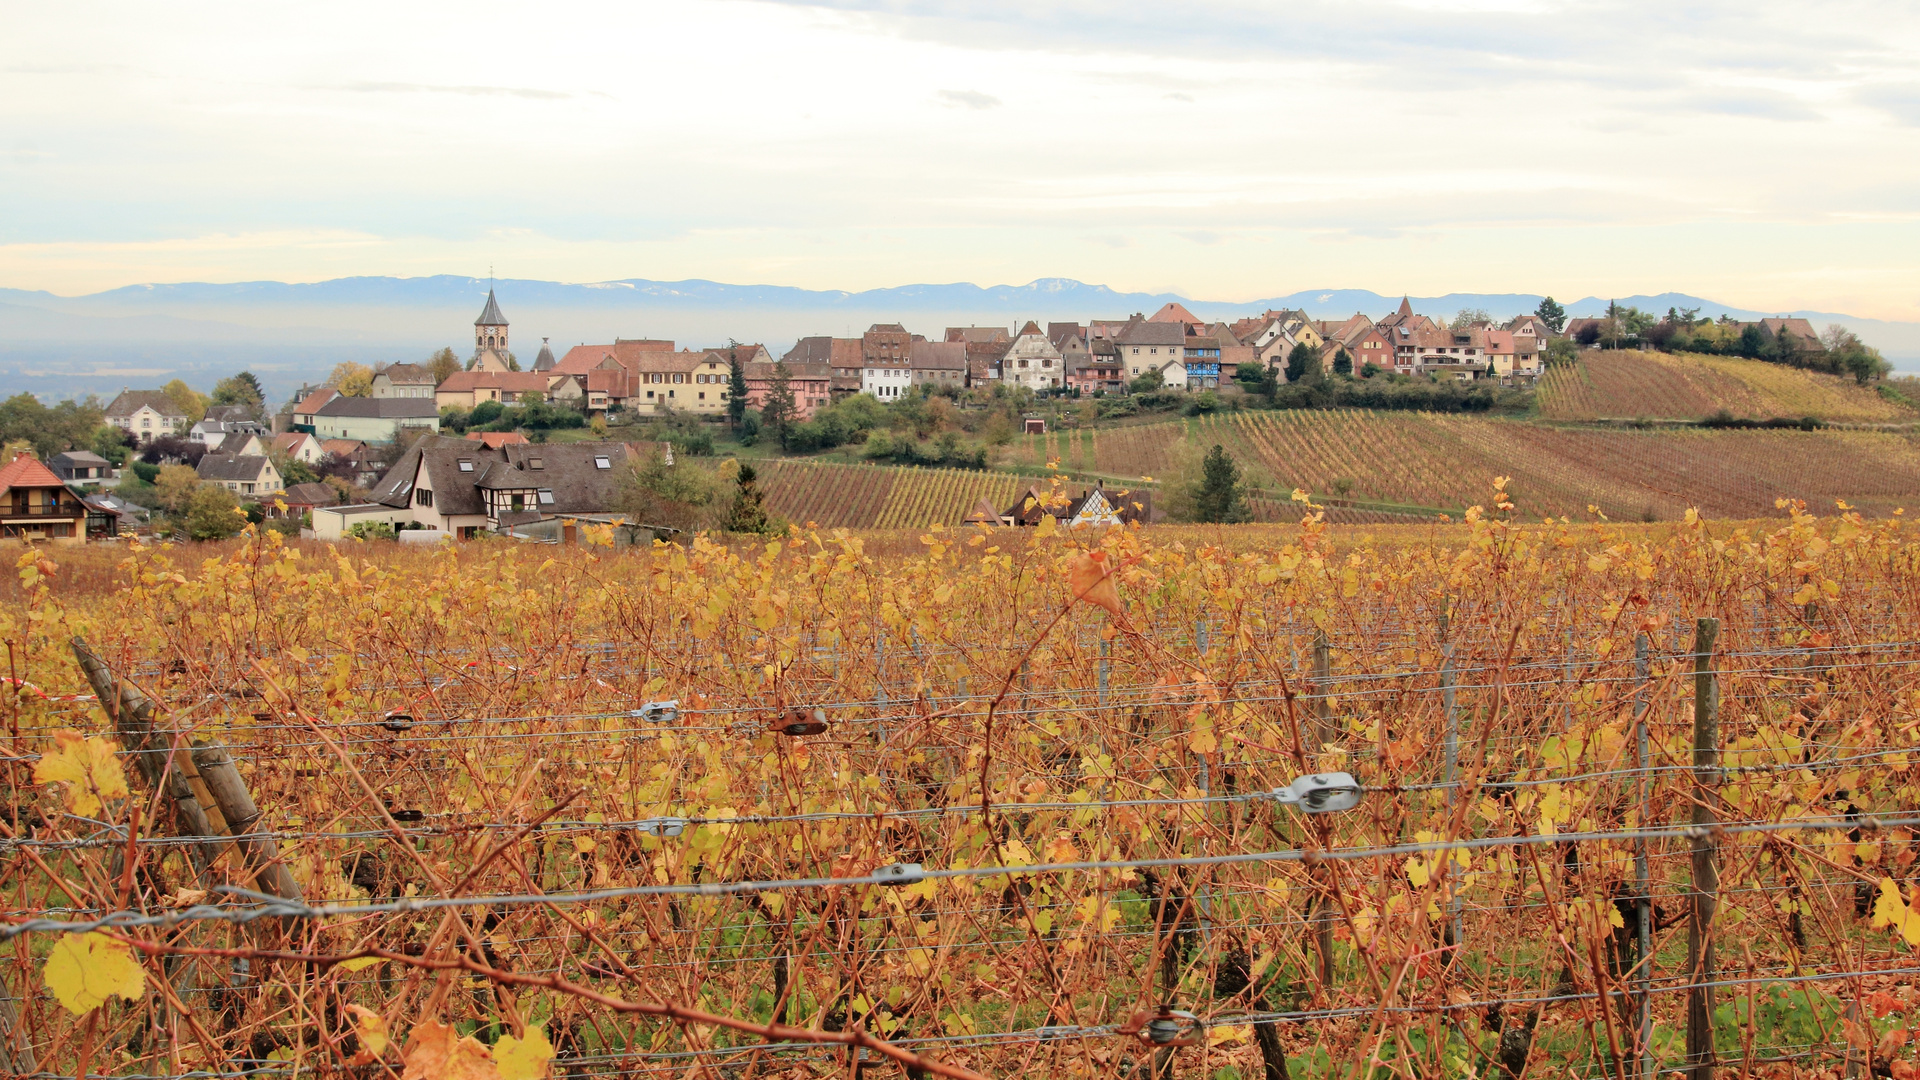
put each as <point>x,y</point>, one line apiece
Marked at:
<point>1762,153</point>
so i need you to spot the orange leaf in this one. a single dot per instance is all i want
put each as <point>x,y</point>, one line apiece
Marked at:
<point>433,1054</point>
<point>1092,580</point>
<point>1890,1043</point>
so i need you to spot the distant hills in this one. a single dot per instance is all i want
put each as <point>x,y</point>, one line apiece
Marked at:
<point>290,333</point>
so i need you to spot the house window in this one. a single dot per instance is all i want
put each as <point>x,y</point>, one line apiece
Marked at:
<point>536,463</point>
<point>601,461</point>
<point>546,497</point>
<point>423,497</point>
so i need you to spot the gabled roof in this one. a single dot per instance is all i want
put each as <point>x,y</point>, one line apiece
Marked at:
<point>1062,332</point>
<point>311,495</point>
<point>762,371</point>
<point>496,439</point>
<point>26,471</point>
<point>286,441</point>
<point>983,511</point>
<point>886,328</point>
<point>233,466</point>
<point>130,401</point>
<point>407,374</point>
<point>315,400</point>
<point>568,470</point>
<point>507,382</point>
<point>343,447</point>
<point>1174,313</point>
<point>633,354</point>
<point>490,315</point>
<point>83,458</point>
<point>392,408</point>
<point>230,414</point>
<point>976,333</point>
<point>1142,332</point>
<point>937,355</point>
<point>235,442</point>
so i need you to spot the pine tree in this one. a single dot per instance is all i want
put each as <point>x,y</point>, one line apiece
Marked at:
<point>736,393</point>
<point>747,514</point>
<point>1220,498</point>
<point>1299,360</point>
<point>1552,314</point>
<point>778,412</point>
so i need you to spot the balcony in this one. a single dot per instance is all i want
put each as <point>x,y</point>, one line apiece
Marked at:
<point>63,510</point>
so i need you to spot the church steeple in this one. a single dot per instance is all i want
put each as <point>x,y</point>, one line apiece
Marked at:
<point>490,329</point>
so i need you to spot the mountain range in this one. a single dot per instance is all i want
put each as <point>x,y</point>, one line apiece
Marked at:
<point>288,334</point>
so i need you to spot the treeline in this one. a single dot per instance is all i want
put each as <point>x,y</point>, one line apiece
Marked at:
<point>1837,351</point>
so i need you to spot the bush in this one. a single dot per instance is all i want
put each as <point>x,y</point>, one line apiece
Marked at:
<point>213,514</point>
<point>147,473</point>
<point>1111,407</point>
<point>372,530</point>
<point>1204,402</point>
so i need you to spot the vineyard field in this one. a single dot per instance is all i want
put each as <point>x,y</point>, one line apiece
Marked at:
<point>976,807</point>
<point>1443,462</point>
<point>880,497</point>
<point>1627,384</point>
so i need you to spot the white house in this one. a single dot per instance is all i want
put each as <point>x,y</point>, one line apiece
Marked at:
<point>1147,346</point>
<point>887,378</point>
<point>1032,361</point>
<point>146,414</point>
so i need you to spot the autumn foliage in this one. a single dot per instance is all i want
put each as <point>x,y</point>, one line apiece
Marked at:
<point>592,752</point>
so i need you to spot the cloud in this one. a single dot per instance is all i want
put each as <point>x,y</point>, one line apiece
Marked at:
<point>1179,97</point>
<point>1202,236</point>
<point>967,99</point>
<point>469,91</point>
<point>1900,100</point>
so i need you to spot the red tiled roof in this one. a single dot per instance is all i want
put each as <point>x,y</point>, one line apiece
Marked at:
<point>315,400</point>
<point>628,354</point>
<point>1174,313</point>
<point>25,470</point>
<point>494,440</point>
<point>516,382</point>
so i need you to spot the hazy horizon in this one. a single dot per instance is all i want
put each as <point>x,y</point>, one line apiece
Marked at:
<point>1223,149</point>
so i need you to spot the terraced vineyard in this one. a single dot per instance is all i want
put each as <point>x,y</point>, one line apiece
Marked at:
<point>1629,384</point>
<point>879,497</point>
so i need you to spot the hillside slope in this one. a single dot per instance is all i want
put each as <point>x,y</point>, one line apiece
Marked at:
<point>1412,463</point>
<point>1628,384</point>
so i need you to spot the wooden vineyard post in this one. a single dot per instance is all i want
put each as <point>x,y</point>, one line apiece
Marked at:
<point>132,716</point>
<point>1643,890</point>
<point>1449,701</point>
<point>1322,735</point>
<point>1706,862</point>
<point>202,782</point>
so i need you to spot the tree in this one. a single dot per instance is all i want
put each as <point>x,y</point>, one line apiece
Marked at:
<point>1551,313</point>
<point>778,412</point>
<point>1220,498</point>
<point>189,401</point>
<point>747,514</point>
<point>736,393</point>
<point>1301,359</point>
<point>176,484</point>
<point>1561,351</point>
<point>241,389</point>
<point>1754,341</point>
<point>112,443</point>
<point>443,364</point>
<point>67,426</point>
<point>1468,316</point>
<point>1255,377</point>
<point>213,513</point>
<point>1146,383</point>
<point>351,379</point>
<point>1853,357</point>
<point>676,496</point>
<point>1343,363</point>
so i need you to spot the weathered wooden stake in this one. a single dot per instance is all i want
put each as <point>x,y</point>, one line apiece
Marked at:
<point>1706,860</point>
<point>1322,735</point>
<point>1643,902</point>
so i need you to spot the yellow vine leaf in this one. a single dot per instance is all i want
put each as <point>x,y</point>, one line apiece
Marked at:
<point>87,766</point>
<point>523,1059</point>
<point>84,970</point>
<point>359,963</point>
<point>1891,911</point>
<point>371,1029</point>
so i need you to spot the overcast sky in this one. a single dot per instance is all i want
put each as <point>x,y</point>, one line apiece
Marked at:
<point>1761,153</point>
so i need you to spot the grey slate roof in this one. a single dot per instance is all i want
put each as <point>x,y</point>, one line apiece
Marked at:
<point>312,495</point>
<point>1152,333</point>
<point>381,408</point>
<point>129,402</point>
<point>408,374</point>
<point>247,467</point>
<point>491,315</point>
<point>543,362</point>
<point>85,459</point>
<point>566,469</point>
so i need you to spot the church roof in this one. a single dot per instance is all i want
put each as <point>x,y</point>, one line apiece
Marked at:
<point>544,362</point>
<point>491,316</point>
